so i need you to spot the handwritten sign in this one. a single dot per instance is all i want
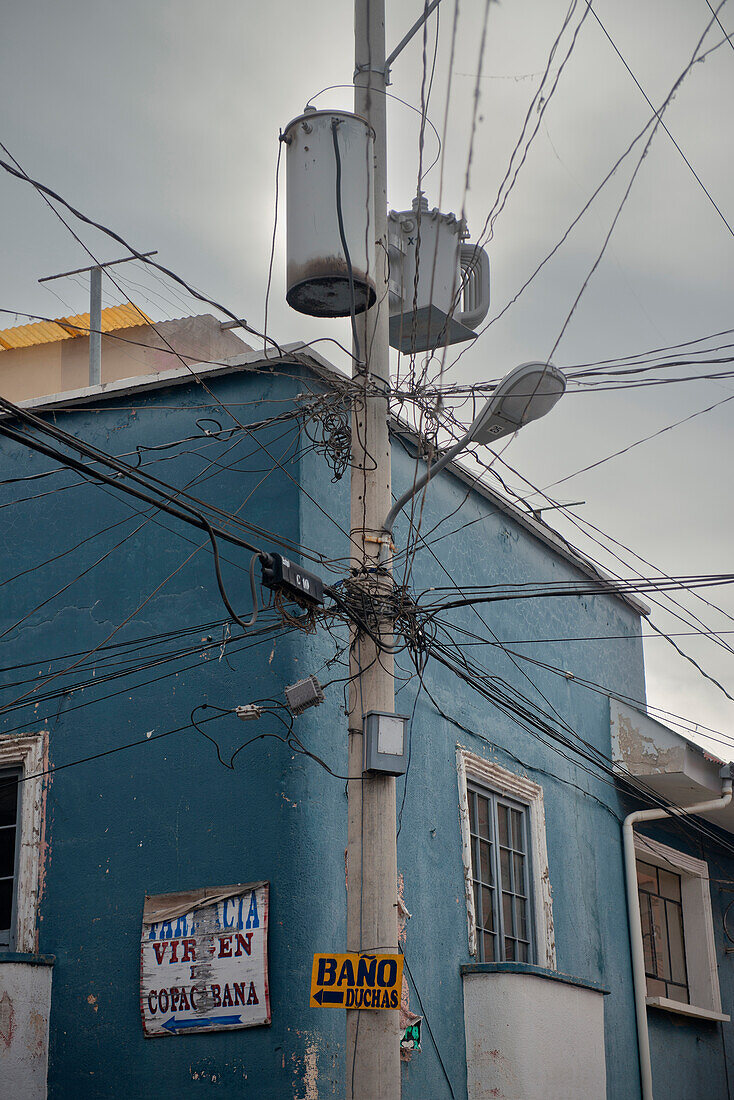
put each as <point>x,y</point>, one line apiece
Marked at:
<point>204,960</point>
<point>356,981</point>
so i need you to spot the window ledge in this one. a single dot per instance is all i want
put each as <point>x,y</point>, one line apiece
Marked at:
<point>682,1009</point>
<point>26,957</point>
<point>537,971</point>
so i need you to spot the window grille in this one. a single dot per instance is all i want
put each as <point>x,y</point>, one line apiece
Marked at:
<point>500,876</point>
<point>661,913</point>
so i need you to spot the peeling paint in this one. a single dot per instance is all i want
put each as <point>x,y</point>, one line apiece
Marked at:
<point>7,1019</point>
<point>36,1035</point>
<point>306,1074</point>
<point>30,751</point>
<point>311,1073</point>
<point>640,752</point>
<point>406,1016</point>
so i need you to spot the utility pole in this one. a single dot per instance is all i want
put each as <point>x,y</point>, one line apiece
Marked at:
<point>373,1042</point>
<point>95,326</point>
<point>95,309</point>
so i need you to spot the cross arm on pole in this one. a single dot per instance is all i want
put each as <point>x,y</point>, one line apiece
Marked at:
<point>93,267</point>
<point>406,39</point>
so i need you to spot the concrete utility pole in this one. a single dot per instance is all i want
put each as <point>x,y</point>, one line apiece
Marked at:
<point>373,1043</point>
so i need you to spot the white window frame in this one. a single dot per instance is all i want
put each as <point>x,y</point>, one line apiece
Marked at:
<point>475,769</point>
<point>698,929</point>
<point>27,751</point>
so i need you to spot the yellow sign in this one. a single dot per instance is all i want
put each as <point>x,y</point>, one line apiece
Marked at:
<point>356,981</point>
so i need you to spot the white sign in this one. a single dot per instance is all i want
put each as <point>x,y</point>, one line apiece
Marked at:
<point>204,960</point>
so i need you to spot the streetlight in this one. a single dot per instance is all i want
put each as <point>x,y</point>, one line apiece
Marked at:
<point>525,394</point>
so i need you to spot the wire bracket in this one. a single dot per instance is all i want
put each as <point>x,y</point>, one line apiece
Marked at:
<point>382,540</point>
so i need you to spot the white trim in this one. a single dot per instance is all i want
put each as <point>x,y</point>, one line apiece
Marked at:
<point>687,1010</point>
<point>499,779</point>
<point>698,927</point>
<point>29,751</point>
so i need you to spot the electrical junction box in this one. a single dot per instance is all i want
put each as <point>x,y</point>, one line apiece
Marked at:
<point>281,573</point>
<point>304,694</point>
<point>384,744</point>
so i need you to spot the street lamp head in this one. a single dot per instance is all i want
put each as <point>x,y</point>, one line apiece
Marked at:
<point>526,393</point>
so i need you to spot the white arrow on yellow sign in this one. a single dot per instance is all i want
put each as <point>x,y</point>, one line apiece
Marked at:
<point>356,980</point>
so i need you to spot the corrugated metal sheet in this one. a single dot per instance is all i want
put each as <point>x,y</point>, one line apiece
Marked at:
<point>66,328</point>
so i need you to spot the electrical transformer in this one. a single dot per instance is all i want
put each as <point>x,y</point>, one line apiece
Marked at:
<point>330,220</point>
<point>450,295</point>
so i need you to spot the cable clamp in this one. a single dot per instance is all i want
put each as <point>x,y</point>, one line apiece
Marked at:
<point>380,385</point>
<point>382,540</point>
<point>367,69</point>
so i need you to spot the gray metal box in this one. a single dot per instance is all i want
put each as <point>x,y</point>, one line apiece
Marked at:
<point>384,740</point>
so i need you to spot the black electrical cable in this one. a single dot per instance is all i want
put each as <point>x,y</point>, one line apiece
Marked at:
<point>653,120</point>
<point>146,642</point>
<point>190,516</point>
<point>533,720</point>
<point>428,1024</point>
<point>496,747</point>
<point>693,171</point>
<point>389,95</point>
<point>185,512</point>
<point>695,58</point>
<point>577,521</point>
<point>107,752</point>
<point>47,191</point>
<point>266,630</point>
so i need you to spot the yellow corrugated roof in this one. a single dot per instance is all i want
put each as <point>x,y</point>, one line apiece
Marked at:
<point>66,328</point>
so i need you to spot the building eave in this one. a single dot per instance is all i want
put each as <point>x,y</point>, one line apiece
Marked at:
<point>536,528</point>
<point>298,353</point>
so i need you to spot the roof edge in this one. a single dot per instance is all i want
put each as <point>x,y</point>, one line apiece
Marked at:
<point>181,375</point>
<point>303,355</point>
<point>539,530</point>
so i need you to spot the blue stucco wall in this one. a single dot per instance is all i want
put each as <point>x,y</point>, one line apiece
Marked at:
<point>582,810</point>
<point>166,816</point>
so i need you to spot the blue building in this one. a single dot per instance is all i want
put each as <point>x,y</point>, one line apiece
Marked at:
<point>144,799</point>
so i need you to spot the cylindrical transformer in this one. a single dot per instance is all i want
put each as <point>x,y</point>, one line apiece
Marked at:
<point>330,196</point>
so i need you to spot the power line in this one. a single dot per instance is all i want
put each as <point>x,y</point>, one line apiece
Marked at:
<point>647,99</point>
<point>48,192</point>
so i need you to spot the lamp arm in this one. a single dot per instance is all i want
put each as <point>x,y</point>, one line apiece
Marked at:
<point>432,470</point>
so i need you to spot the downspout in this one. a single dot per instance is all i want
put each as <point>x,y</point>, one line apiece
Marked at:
<point>633,909</point>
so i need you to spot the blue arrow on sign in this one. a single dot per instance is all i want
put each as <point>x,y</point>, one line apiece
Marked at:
<point>324,998</point>
<point>173,1025</point>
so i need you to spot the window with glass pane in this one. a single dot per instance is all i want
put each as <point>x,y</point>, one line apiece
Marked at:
<point>9,828</point>
<point>661,914</point>
<point>500,876</point>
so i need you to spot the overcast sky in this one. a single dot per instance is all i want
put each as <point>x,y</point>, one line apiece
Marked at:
<point>160,118</point>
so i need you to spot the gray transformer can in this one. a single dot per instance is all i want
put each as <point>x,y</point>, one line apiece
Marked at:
<point>330,214</point>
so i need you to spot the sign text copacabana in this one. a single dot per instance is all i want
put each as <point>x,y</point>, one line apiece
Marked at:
<point>204,961</point>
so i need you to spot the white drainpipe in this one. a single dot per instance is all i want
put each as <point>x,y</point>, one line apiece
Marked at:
<point>633,909</point>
